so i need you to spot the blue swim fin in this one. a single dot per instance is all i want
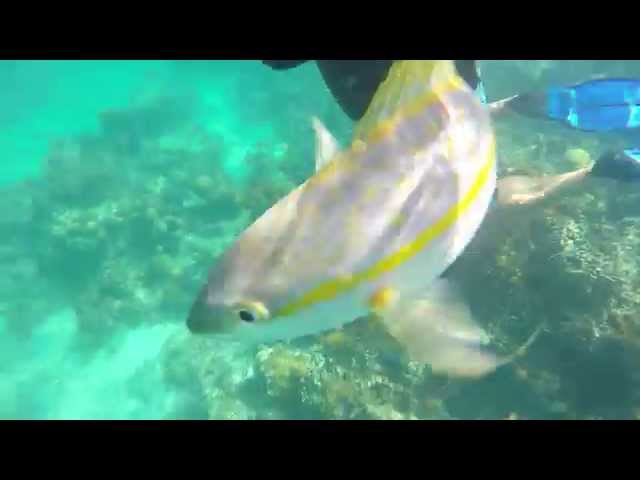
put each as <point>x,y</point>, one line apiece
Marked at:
<point>605,104</point>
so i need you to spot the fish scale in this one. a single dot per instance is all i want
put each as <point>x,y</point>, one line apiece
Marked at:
<point>334,248</point>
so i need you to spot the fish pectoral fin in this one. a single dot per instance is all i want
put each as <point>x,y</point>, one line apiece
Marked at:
<point>437,328</point>
<point>326,144</point>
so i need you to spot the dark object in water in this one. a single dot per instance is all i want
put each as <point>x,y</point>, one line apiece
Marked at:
<point>353,82</point>
<point>622,166</point>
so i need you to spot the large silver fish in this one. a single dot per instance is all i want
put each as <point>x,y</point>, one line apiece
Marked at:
<point>372,231</point>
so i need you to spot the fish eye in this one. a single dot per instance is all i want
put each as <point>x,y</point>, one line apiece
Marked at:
<point>251,311</point>
<point>246,316</point>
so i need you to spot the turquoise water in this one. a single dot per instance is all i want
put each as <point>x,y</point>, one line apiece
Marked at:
<point>122,181</point>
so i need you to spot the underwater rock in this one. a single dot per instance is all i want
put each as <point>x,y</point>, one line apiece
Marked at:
<point>258,195</point>
<point>129,128</point>
<point>77,174</point>
<point>178,362</point>
<point>578,157</point>
<point>573,270</point>
<point>19,273</point>
<point>331,376</point>
<point>125,223</point>
<point>16,209</point>
<point>118,297</point>
<point>24,313</point>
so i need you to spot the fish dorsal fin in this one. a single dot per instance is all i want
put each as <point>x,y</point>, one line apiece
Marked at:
<point>409,87</point>
<point>326,145</point>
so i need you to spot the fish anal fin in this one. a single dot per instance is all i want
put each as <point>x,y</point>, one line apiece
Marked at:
<point>436,328</point>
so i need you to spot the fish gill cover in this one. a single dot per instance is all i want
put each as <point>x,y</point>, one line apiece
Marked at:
<point>122,181</point>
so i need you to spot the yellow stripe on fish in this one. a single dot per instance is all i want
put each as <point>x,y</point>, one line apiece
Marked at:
<point>335,287</point>
<point>381,130</point>
<point>374,126</point>
<point>389,126</point>
<point>372,230</point>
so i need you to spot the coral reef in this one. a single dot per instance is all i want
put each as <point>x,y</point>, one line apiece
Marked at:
<point>356,373</point>
<point>126,221</point>
<point>126,235</point>
<point>570,267</point>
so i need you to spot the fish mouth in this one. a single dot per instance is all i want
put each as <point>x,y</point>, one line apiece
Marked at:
<point>196,325</point>
<point>206,319</point>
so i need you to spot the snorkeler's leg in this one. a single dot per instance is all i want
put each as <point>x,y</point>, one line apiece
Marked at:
<point>529,190</point>
<point>623,166</point>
